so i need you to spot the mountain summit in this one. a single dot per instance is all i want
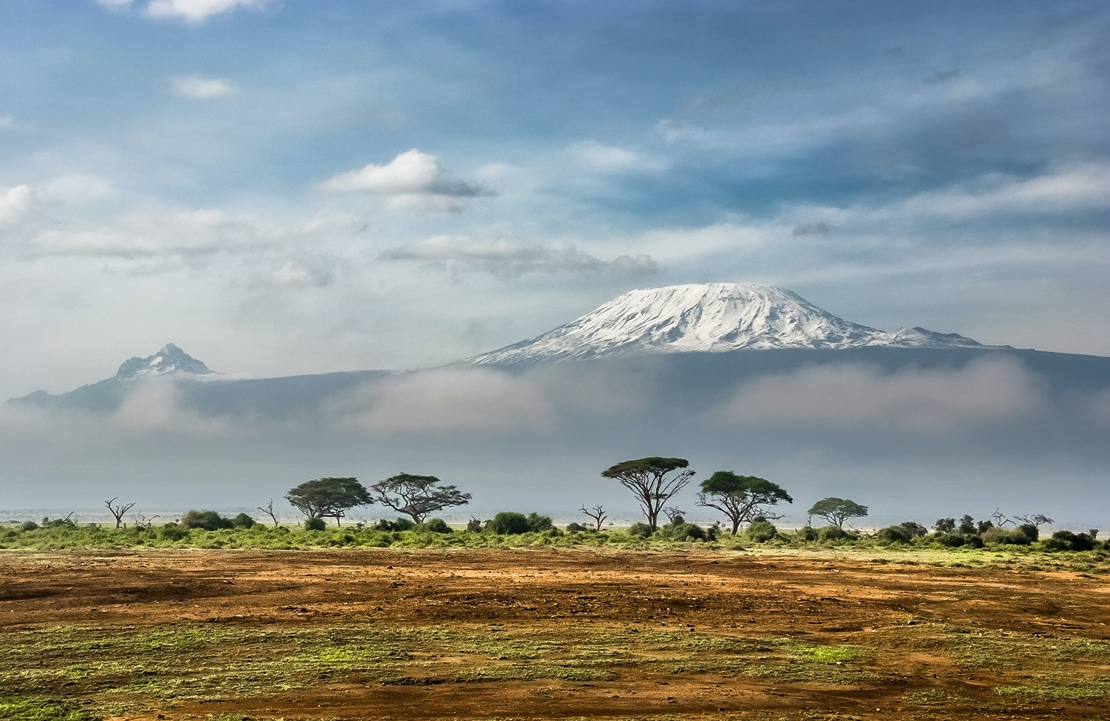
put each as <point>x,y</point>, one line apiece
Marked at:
<point>714,317</point>
<point>171,360</point>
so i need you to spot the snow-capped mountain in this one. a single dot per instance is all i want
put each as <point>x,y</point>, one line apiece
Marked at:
<point>171,360</point>
<point>714,317</point>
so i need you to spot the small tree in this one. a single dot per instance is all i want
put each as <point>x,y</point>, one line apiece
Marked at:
<point>118,509</point>
<point>417,496</point>
<point>597,513</point>
<point>1037,520</point>
<point>268,509</point>
<point>328,497</point>
<point>650,480</point>
<point>740,498</point>
<point>837,510</point>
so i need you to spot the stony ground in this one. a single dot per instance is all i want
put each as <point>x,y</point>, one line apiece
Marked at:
<point>541,633</point>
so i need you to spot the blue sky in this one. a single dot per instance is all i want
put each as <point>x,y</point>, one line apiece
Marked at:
<point>287,187</point>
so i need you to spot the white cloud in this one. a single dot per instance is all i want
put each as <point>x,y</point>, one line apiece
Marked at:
<point>197,88</point>
<point>7,122</point>
<point>608,158</point>
<point>853,398</point>
<point>449,401</point>
<point>1075,188</point>
<point>17,203</point>
<point>197,11</point>
<point>77,187</point>
<point>411,180</point>
<point>510,258</point>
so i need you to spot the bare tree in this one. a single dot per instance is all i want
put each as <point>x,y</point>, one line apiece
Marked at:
<point>145,522</point>
<point>673,513</point>
<point>118,510</point>
<point>268,509</point>
<point>597,513</point>
<point>1037,519</point>
<point>1000,519</point>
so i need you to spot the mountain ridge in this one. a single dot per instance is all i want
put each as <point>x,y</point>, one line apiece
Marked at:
<point>713,318</point>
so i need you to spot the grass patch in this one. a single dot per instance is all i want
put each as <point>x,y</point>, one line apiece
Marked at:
<point>40,709</point>
<point>1059,690</point>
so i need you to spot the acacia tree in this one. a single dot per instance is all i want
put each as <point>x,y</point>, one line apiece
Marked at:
<point>652,482</point>
<point>837,510</point>
<point>417,496</point>
<point>740,498</point>
<point>329,497</point>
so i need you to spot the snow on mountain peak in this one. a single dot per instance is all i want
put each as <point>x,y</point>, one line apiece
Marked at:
<point>170,360</point>
<point>713,317</point>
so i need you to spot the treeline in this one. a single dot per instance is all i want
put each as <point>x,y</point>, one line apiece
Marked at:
<point>208,529</point>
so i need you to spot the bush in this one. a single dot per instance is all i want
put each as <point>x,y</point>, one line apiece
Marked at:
<point>640,530</point>
<point>242,521</point>
<point>398,524</point>
<point>1068,541</point>
<point>434,525</point>
<point>807,533</point>
<point>538,523</point>
<point>315,524</point>
<point>509,523</point>
<point>172,532</point>
<point>1012,537</point>
<point>208,520</point>
<point>915,529</point>
<point>474,525</point>
<point>761,531</point>
<point>28,526</point>
<point>680,530</point>
<point>574,527</point>
<point>832,533</point>
<point>951,539</point>
<point>894,534</point>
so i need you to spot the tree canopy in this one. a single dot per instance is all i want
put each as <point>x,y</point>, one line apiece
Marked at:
<point>417,496</point>
<point>837,510</point>
<point>328,497</point>
<point>740,498</point>
<point>650,480</point>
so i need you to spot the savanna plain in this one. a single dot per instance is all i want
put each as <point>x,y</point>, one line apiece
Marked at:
<point>550,632</point>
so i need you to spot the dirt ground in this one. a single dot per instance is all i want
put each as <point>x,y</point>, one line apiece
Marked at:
<point>544,633</point>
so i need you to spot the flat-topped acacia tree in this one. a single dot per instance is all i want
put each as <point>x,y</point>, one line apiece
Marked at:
<point>330,497</point>
<point>417,496</point>
<point>837,510</point>
<point>741,498</point>
<point>653,481</point>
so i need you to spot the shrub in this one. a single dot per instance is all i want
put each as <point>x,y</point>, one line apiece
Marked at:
<point>315,524</point>
<point>433,525</point>
<point>915,529</point>
<point>509,523</point>
<point>538,523</point>
<point>1068,541</point>
<point>832,533</point>
<point>761,531</point>
<point>398,524</point>
<point>974,541</point>
<point>639,530</point>
<point>950,539</point>
<point>172,532</point>
<point>242,521</point>
<point>1012,537</point>
<point>894,534</point>
<point>574,527</point>
<point>474,525</point>
<point>208,520</point>
<point>807,533</point>
<point>680,530</point>
<point>28,526</point>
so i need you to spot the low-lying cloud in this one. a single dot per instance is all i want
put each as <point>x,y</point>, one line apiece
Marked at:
<point>847,399</point>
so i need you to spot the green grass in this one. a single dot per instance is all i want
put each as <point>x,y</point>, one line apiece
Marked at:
<point>40,709</point>
<point>1059,688</point>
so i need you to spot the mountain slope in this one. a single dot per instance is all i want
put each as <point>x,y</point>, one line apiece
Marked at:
<point>712,318</point>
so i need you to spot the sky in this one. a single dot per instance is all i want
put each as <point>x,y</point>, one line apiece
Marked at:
<point>286,187</point>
